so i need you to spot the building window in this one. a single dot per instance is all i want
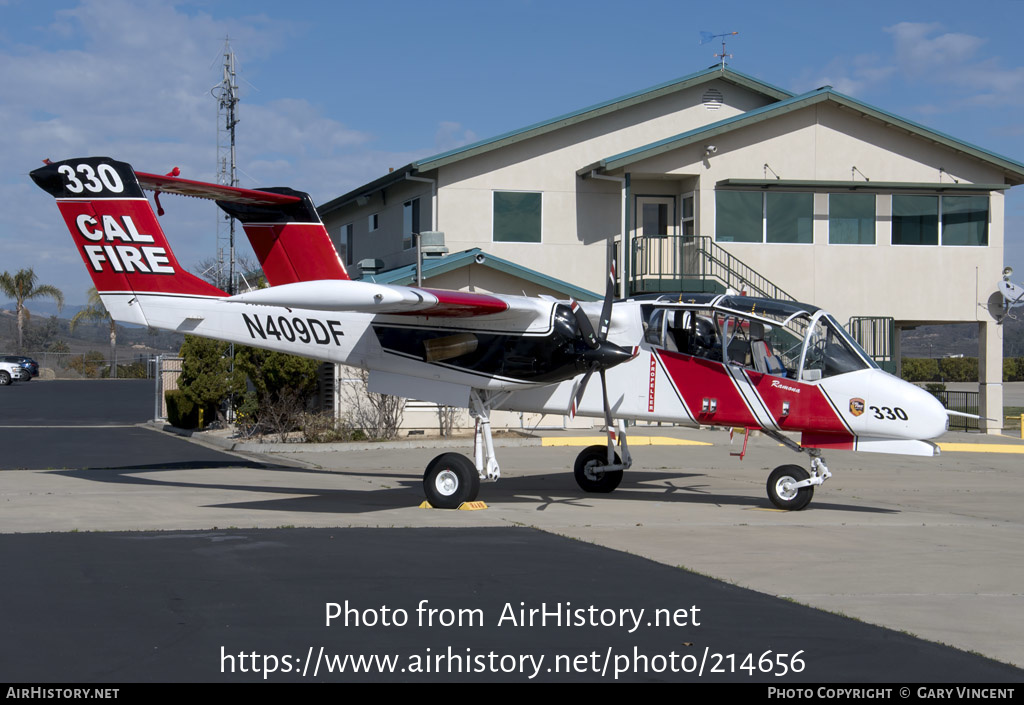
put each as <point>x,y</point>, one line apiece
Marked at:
<point>345,243</point>
<point>915,220</point>
<point>773,217</point>
<point>688,222</point>
<point>517,216</point>
<point>851,219</point>
<point>373,222</point>
<point>788,217</point>
<point>965,220</point>
<point>739,216</point>
<point>410,223</point>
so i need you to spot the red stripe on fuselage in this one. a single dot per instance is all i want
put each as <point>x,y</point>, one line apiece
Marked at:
<point>828,441</point>
<point>697,379</point>
<point>808,407</point>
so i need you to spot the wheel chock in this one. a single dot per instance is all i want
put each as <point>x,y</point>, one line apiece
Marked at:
<point>465,506</point>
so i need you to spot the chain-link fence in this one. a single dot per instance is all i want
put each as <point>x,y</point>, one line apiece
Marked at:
<point>90,365</point>
<point>167,370</point>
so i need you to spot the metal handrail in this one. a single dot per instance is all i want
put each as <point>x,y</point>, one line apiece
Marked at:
<point>699,257</point>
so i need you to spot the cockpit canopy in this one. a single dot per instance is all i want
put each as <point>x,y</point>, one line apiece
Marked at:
<point>782,338</point>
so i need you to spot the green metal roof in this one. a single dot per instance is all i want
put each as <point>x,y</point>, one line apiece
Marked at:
<point>434,267</point>
<point>667,88</point>
<point>1013,169</point>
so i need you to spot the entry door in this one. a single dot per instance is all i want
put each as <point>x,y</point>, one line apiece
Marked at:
<point>655,225</point>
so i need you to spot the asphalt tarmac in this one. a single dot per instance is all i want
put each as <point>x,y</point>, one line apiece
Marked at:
<point>132,555</point>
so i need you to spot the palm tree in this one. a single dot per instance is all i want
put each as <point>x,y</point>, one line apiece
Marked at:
<point>22,287</point>
<point>96,311</point>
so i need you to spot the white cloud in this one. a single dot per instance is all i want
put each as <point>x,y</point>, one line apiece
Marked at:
<point>451,135</point>
<point>853,76</point>
<point>131,79</point>
<point>951,59</point>
<point>919,54</point>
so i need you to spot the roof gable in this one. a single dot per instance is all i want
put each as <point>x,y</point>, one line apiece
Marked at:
<point>1013,169</point>
<point>603,108</point>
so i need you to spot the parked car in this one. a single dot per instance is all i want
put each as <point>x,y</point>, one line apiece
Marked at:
<point>26,363</point>
<point>11,371</point>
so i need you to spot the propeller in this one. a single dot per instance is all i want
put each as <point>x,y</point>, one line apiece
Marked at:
<point>602,354</point>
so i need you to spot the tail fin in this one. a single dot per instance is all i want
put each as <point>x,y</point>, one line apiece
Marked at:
<point>289,239</point>
<point>116,230</point>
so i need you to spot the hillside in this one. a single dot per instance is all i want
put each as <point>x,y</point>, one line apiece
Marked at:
<point>960,339</point>
<point>52,334</point>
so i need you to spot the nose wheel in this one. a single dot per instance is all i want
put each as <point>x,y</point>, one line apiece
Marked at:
<point>593,474</point>
<point>783,490</point>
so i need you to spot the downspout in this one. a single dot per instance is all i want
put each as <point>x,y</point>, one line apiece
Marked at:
<point>624,209</point>
<point>433,196</point>
<point>433,222</point>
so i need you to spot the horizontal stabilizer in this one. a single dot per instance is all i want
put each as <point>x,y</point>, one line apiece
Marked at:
<point>216,192</point>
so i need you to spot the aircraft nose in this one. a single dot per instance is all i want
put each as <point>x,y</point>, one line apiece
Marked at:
<point>931,419</point>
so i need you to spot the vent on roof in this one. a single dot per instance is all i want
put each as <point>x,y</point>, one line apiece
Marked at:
<point>712,99</point>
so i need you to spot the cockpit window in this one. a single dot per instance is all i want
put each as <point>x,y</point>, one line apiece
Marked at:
<point>781,338</point>
<point>830,353</point>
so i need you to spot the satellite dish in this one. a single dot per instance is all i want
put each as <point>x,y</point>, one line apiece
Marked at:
<point>1008,296</point>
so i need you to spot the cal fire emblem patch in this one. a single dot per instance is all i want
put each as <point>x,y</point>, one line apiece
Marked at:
<point>856,406</point>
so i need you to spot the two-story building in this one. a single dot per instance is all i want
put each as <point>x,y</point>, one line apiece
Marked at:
<point>718,179</point>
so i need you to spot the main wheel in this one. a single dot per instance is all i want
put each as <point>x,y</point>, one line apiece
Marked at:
<point>450,480</point>
<point>781,491</point>
<point>590,471</point>
<point>5,377</point>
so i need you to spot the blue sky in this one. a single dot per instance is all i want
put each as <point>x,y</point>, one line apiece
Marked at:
<point>334,93</point>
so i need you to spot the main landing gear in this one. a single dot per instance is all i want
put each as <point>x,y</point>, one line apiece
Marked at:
<point>451,478</point>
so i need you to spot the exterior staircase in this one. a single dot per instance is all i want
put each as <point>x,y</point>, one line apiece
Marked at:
<point>696,263</point>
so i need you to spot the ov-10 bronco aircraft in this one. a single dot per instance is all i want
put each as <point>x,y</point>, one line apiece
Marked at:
<point>689,359</point>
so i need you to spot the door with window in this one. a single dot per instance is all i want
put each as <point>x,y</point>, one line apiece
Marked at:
<point>655,227</point>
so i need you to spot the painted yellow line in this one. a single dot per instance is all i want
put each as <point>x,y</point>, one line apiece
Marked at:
<point>633,441</point>
<point>980,448</point>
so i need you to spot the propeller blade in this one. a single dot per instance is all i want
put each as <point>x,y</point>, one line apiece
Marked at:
<point>585,326</point>
<point>577,396</point>
<point>609,297</point>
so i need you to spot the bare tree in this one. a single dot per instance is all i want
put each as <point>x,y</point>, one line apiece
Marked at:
<point>379,415</point>
<point>446,419</point>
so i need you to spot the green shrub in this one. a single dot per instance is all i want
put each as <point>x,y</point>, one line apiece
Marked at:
<point>181,411</point>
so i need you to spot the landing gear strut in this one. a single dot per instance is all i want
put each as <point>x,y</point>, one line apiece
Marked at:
<point>791,487</point>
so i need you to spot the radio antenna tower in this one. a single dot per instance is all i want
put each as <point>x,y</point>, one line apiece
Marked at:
<point>706,37</point>
<point>226,93</point>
